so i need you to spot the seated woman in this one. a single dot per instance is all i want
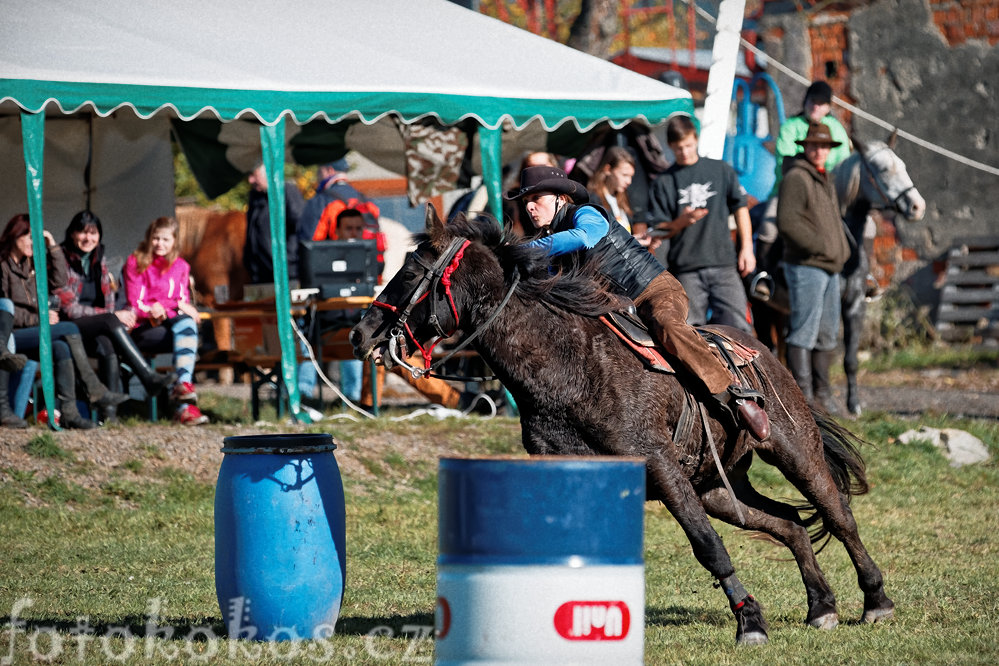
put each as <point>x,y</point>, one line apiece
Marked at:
<point>156,284</point>
<point>88,301</point>
<point>17,282</point>
<point>9,363</point>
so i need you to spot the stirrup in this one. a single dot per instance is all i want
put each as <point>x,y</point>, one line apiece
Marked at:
<point>742,393</point>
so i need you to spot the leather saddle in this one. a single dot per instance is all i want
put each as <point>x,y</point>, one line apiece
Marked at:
<point>631,330</point>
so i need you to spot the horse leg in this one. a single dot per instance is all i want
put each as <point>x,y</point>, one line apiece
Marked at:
<point>780,521</point>
<point>680,498</point>
<point>853,324</point>
<point>810,474</point>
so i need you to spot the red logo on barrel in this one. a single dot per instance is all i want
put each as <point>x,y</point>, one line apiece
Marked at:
<point>593,620</point>
<point>442,618</point>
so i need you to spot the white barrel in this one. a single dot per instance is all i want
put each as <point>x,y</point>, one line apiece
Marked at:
<point>541,561</point>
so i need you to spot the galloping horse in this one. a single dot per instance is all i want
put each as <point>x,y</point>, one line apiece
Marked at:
<point>872,177</point>
<point>580,391</point>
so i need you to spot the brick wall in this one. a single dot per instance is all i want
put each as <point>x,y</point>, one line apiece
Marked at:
<point>961,20</point>
<point>828,34</point>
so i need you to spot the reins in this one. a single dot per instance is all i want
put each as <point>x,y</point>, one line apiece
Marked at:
<point>439,273</point>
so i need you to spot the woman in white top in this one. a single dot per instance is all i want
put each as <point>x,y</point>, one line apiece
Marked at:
<point>609,185</point>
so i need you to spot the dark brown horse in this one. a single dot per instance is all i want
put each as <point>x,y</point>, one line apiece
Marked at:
<point>581,392</point>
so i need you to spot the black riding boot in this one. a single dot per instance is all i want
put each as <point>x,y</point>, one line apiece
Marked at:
<point>110,372</point>
<point>97,393</point>
<point>821,362</point>
<point>65,381</point>
<point>9,362</point>
<point>154,382</point>
<point>8,418</point>
<point>799,362</point>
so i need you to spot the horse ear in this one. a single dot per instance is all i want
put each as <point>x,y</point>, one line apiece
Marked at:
<point>434,224</point>
<point>892,139</point>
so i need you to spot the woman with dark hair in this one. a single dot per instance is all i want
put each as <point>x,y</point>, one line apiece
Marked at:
<point>88,301</point>
<point>17,282</point>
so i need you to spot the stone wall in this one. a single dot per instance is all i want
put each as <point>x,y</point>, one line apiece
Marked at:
<point>930,67</point>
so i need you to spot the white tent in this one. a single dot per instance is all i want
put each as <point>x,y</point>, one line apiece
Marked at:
<point>186,59</point>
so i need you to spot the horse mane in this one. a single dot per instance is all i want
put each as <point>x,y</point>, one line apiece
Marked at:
<point>846,179</point>
<point>580,289</point>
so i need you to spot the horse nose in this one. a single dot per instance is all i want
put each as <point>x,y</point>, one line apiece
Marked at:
<point>355,337</point>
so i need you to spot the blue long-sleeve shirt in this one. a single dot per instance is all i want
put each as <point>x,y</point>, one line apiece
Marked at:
<point>589,226</point>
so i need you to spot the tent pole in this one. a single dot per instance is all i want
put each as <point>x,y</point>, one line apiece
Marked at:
<point>272,144</point>
<point>33,138</point>
<point>721,77</point>
<point>490,147</point>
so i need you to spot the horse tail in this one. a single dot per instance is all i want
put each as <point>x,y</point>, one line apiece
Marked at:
<point>842,453</point>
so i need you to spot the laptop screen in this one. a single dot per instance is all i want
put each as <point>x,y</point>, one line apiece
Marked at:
<point>339,267</point>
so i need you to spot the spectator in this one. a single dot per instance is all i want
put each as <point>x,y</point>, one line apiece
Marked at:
<point>157,285</point>
<point>88,300</point>
<point>320,221</point>
<point>609,185</point>
<point>332,187</point>
<point>9,363</point>
<point>257,249</point>
<point>17,282</point>
<point>816,107</point>
<point>694,199</point>
<point>815,249</point>
<point>578,231</point>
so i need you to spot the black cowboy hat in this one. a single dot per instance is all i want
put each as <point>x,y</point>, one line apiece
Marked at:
<point>548,179</point>
<point>819,133</point>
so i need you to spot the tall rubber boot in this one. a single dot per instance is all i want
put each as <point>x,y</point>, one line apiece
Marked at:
<point>799,362</point>
<point>98,394</point>
<point>8,418</point>
<point>154,382</point>
<point>110,372</point>
<point>9,362</point>
<point>65,381</point>
<point>821,362</point>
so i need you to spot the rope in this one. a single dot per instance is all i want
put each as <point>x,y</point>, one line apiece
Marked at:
<point>940,150</point>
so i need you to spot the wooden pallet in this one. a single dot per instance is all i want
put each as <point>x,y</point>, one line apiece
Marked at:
<point>969,301</point>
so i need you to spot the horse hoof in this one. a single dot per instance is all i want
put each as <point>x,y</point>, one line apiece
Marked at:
<point>855,409</point>
<point>876,615</point>
<point>751,628</point>
<point>753,638</point>
<point>828,622</point>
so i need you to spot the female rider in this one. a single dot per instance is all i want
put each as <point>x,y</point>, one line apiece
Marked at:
<point>577,231</point>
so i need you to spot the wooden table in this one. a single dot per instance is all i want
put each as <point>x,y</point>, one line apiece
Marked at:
<point>254,326</point>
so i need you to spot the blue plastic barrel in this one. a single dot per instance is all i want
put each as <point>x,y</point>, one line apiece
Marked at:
<point>540,560</point>
<point>280,562</point>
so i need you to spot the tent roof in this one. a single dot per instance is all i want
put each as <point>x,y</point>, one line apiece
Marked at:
<point>312,59</point>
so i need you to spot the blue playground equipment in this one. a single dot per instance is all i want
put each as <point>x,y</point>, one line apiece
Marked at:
<point>746,150</point>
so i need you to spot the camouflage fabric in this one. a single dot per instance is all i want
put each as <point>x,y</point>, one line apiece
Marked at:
<point>433,159</point>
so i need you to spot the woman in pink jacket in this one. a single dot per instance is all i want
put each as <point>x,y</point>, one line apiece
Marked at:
<point>157,287</point>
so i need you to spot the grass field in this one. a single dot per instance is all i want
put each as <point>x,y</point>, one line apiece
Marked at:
<point>103,575</point>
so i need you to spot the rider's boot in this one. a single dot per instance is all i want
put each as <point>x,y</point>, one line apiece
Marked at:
<point>823,397</point>
<point>799,362</point>
<point>744,407</point>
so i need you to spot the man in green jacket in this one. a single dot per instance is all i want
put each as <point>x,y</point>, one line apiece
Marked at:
<point>816,108</point>
<point>815,249</point>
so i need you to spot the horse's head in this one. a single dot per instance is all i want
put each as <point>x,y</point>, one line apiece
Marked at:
<point>885,182</point>
<point>428,298</point>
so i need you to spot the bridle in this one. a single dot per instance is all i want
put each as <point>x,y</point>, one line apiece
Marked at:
<point>436,275</point>
<point>873,176</point>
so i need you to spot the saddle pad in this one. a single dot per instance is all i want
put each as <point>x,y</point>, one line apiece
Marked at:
<point>652,357</point>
